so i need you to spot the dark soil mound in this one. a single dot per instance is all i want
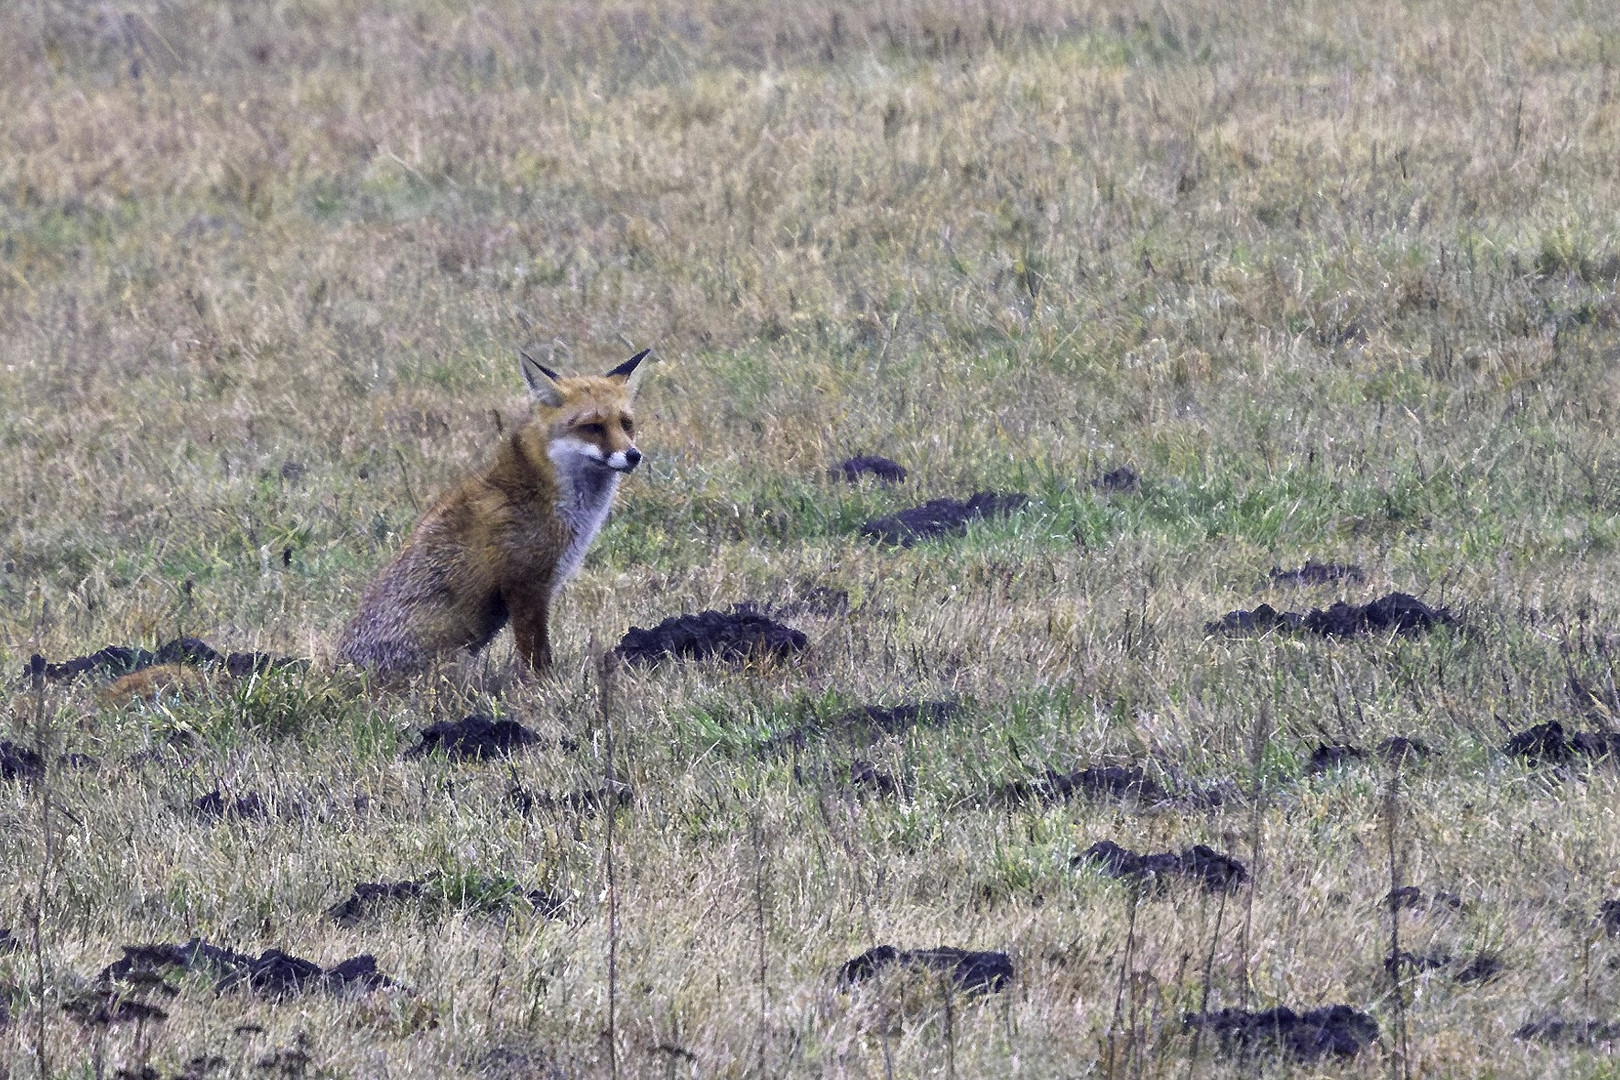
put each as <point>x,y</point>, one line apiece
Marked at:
<point>216,805</point>
<point>273,974</point>
<point>1198,863</point>
<point>20,763</point>
<point>246,663</point>
<point>886,471</point>
<point>1556,1029</point>
<point>1544,743</point>
<point>1608,918</point>
<point>990,971</point>
<point>740,635</point>
<point>1325,757</point>
<point>1547,744</point>
<point>1482,968</point>
<point>940,517</point>
<point>368,896</point>
<point>1315,573</point>
<point>122,659</point>
<point>1396,613</point>
<point>1336,1030</point>
<point>1596,744</point>
<point>1121,481</point>
<point>1100,781</point>
<point>118,660</point>
<point>473,738</point>
<point>864,774</point>
<point>140,961</point>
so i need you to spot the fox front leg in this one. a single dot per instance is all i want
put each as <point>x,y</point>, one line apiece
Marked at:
<point>531,618</point>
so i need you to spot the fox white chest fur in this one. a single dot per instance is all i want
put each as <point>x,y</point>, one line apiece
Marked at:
<point>587,488</point>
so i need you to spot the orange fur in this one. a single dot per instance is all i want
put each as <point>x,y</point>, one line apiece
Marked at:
<point>149,682</point>
<point>498,546</point>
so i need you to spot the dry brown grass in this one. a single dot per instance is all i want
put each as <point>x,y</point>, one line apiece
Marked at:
<point>1338,279</point>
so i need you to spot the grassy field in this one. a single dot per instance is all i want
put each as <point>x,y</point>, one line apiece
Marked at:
<point>1338,280</point>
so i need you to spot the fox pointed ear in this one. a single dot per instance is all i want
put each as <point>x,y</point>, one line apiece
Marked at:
<point>627,370</point>
<point>541,379</point>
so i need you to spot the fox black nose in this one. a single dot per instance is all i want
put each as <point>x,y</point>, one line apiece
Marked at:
<point>632,458</point>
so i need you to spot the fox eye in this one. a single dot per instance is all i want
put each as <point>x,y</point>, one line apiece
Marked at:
<point>628,425</point>
<point>594,429</point>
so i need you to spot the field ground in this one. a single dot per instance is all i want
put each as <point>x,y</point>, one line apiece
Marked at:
<point>1337,280</point>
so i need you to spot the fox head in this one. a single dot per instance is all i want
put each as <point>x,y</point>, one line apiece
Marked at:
<point>585,420</point>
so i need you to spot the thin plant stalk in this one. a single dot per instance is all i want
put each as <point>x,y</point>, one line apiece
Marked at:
<point>1260,737</point>
<point>1400,1065</point>
<point>604,680</point>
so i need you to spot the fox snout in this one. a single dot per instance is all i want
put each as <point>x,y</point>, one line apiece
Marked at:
<point>625,460</point>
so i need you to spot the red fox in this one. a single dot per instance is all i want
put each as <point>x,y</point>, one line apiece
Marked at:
<point>499,545</point>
